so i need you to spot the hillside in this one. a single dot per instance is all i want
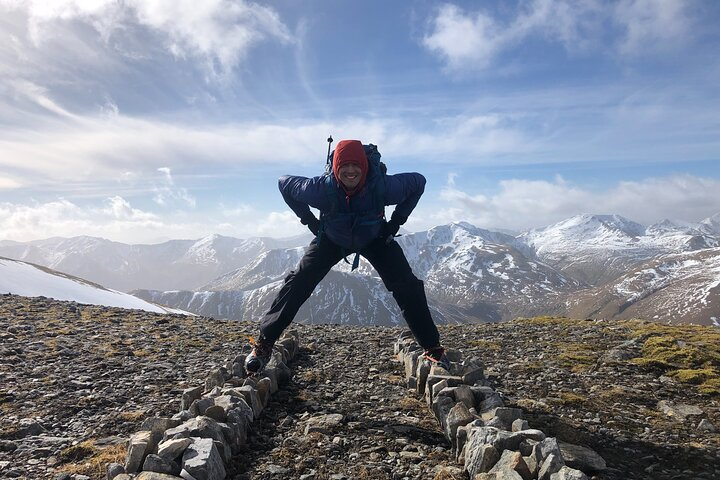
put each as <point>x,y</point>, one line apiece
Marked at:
<point>77,380</point>
<point>677,288</point>
<point>30,280</point>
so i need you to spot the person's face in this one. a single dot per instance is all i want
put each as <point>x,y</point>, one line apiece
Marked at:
<point>350,175</point>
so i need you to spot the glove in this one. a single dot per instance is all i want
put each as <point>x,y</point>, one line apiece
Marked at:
<point>392,227</point>
<point>312,223</point>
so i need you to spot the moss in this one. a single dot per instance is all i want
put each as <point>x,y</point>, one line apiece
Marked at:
<point>689,353</point>
<point>569,398</point>
<point>577,357</point>
<point>694,376</point>
<point>544,320</point>
<point>711,386</point>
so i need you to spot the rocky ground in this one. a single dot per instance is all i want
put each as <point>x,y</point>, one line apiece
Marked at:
<point>76,380</point>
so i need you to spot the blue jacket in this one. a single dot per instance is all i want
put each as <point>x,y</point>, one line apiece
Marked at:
<point>349,227</point>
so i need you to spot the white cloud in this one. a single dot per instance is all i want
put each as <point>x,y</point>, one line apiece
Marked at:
<point>120,209</point>
<point>218,32</point>
<point>281,224</point>
<point>462,38</point>
<point>652,25</point>
<point>168,194</point>
<point>474,40</point>
<point>116,219</point>
<point>523,204</point>
<point>7,183</point>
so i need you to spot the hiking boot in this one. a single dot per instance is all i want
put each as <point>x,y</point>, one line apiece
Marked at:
<point>259,357</point>
<point>436,356</point>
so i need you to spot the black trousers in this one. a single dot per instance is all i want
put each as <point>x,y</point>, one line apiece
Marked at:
<point>390,263</point>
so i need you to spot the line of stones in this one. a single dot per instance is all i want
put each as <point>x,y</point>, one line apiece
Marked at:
<point>489,440</point>
<point>198,442</point>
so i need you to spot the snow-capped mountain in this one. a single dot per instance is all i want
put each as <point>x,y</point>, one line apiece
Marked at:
<point>470,274</point>
<point>26,279</point>
<point>599,248</point>
<point>465,270</point>
<point>676,288</point>
<point>471,268</point>
<point>711,225</point>
<point>176,264</point>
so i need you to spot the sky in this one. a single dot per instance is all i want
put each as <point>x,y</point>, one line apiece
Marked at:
<point>147,120</point>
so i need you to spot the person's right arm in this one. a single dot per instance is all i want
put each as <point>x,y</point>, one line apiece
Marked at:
<point>301,193</point>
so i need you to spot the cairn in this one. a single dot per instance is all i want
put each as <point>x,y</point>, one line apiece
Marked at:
<point>198,442</point>
<point>489,440</point>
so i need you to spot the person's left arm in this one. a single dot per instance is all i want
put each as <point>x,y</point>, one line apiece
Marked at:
<point>403,190</point>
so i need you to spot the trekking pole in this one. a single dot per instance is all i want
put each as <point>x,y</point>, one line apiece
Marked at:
<point>330,141</point>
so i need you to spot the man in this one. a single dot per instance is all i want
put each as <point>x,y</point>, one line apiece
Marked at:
<point>351,201</point>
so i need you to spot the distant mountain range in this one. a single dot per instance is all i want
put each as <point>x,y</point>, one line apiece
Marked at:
<point>587,265</point>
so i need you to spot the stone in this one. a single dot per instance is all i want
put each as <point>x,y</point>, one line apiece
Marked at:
<point>519,425</point>
<point>189,395</point>
<point>202,461</point>
<point>263,388</point>
<point>159,424</point>
<point>411,362</point>
<point>284,374</point>
<point>706,426</point>
<point>513,461</point>
<point>217,413</point>
<point>216,378</point>
<point>422,372</point>
<point>581,458</point>
<point>532,434</point>
<point>480,458</point>
<point>458,416</point>
<point>155,476</point>
<point>491,402</point>
<point>156,463</point>
<point>202,427</point>
<point>139,445</point>
<point>505,415</point>
<point>678,411</point>
<point>550,446</point>
<point>271,373</point>
<point>324,423</point>
<point>234,400</point>
<point>172,449</point>
<point>113,470</point>
<point>567,473</point>
<point>441,407</point>
<point>473,376</point>
<point>252,398</point>
<point>464,394</point>
<point>199,406</point>
<point>552,464</point>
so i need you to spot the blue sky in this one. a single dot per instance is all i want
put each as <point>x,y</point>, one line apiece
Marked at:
<point>141,121</point>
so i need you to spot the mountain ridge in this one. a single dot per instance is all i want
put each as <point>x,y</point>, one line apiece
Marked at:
<point>471,274</point>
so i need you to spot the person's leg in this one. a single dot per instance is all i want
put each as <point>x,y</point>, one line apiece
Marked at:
<point>409,292</point>
<point>319,258</point>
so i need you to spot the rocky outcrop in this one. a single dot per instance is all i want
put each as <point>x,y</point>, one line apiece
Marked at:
<point>490,441</point>
<point>212,426</point>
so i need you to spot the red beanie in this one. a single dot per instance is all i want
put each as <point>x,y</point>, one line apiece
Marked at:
<point>350,151</point>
